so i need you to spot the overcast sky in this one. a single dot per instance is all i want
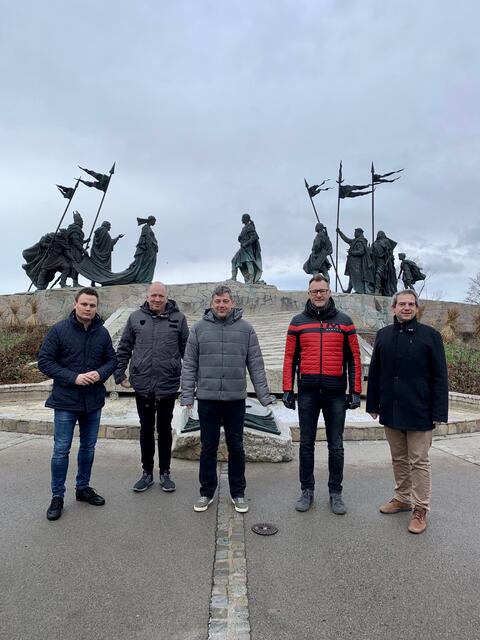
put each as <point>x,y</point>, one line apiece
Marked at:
<point>216,108</point>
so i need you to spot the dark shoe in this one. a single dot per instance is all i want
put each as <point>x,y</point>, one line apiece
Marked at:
<point>305,500</point>
<point>395,506</point>
<point>240,504</point>
<point>166,483</point>
<point>418,521</point>
<point>54,511</point>
<point>88,495</point>
<point>144,483</point>
<point>337,504</point>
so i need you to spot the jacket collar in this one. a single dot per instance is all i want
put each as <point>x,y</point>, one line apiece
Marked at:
<point>170,307</point>
<point>232,317</point>
<point>321,313</point>
<point>95,323</point>
<point>409,327</point>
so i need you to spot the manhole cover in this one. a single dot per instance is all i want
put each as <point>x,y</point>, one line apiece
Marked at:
<point>264,529</point>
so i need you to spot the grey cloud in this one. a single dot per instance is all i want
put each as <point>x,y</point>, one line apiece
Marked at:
<point>211,110</point>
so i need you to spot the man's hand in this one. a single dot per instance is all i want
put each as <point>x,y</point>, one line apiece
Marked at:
<point>125,384</point>
<point>84,379</point>
<point>374,416</point>
<point>288,400</point>
<point>352,401</point>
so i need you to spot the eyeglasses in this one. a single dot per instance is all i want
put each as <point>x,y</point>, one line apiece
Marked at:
<point>318,292</point>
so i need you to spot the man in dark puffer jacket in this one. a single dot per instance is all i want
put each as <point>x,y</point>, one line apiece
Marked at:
<point>154,339</point>
<point>78,354</point>
<point>321,347</point>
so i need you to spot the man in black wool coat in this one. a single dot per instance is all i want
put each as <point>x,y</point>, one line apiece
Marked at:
<point>408,391</point>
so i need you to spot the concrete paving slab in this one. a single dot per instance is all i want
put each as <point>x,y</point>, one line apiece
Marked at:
<point>140,567</point>
<point>362,576</point>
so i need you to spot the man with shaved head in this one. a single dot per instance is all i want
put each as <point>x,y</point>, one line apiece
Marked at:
<point>153,341</point>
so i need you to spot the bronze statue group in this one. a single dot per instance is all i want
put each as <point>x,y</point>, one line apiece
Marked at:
<point>370,269</point>
<point>65,251</point>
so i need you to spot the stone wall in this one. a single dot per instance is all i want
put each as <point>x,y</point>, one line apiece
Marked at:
<point>369,313</point>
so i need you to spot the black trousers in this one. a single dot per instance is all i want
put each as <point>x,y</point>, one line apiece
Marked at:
<point>155,412</point>
<point>310,402</point>
<point>230,414</point>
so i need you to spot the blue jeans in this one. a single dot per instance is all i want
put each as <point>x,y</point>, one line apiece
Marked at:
<point>230,414</point>
<point>64,425</point>
<point>310,401</point>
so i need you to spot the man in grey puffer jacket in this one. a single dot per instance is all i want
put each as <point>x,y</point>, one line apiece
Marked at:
<point>220,348</point>
<point>154,339</point>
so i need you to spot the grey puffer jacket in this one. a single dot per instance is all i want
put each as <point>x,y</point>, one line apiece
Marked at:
<point>156,345</point>
<point>216,358</point>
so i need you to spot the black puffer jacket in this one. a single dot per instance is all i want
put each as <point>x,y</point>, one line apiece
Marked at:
<point>69,350</point>
<point>407,380</point>
<point>156,345</point>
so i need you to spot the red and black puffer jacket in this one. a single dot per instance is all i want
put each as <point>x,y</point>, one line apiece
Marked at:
<point>322,347</point>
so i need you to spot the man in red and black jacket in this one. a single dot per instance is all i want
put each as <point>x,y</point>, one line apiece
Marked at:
<point>322,350</point>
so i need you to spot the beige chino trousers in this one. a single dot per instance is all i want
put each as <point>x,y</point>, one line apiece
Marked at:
<point>412,469</point>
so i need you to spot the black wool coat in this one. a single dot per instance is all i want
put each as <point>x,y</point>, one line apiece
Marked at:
<point>407,379</point>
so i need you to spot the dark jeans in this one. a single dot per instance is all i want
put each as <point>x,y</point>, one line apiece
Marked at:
<point>153,410</point>
<point>310,402</point>
<point>64,425</point>
<point>230,414</point>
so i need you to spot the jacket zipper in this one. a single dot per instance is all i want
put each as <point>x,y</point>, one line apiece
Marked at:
<point>321,348</point>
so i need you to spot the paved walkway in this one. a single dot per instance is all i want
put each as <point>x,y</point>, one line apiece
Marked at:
<point>147,567</point>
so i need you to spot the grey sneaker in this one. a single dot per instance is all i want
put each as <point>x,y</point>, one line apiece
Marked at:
<point>337,505</point>
<point>166,483</point>
<point>144,483</point>
<point>240,504</point>
<point>305,500</point>
<point>202,503</point>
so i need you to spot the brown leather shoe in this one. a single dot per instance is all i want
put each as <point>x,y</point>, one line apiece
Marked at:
<point>395,506</point>
<point>418,521</point>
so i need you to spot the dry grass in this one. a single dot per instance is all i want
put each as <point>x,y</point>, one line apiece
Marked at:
<point>32,321</point>
<point>449,329</point>
<point>463,367</point>
<point>17,349</point>
<point>476,325</point>
<point>13,322</point>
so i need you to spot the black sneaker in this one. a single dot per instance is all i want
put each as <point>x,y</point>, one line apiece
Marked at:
<point>144,483</point>
<point>87,494</point>
<point>54,511</point>
<point>305,500</point>
<point>337,504</point>
<point>166,483</point>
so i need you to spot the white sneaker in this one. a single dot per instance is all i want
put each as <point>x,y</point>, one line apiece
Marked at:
<point>202,503</point>
<point>240,504</point>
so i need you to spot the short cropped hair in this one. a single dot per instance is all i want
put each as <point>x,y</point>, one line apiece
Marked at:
<point>319,277</point>
<point>88,291</point>
<point>221,290</point>
<point>410,292</point>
